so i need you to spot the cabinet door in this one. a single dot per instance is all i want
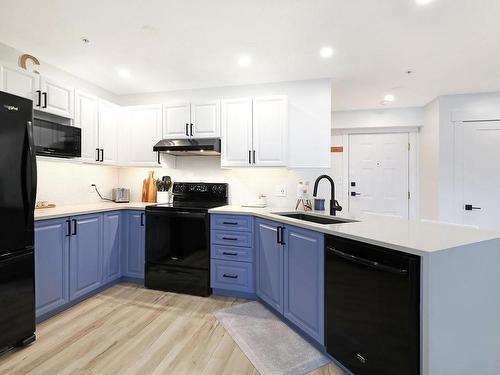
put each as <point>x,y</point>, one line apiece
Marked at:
<point>107,119</point>
<point>270,137</point>
<point>141,133</point>
<point>86,119</point>
<point>134,255</point>
<point>111,246</point>
<point>51,265</point>
<point>205,117</point>
<point>176,120</point>
<point>269,260</point>
<point>304,281</point>
<point>85,254</point>
<point>56,98</point>
<point>19,82</point>
<point>236,135</point>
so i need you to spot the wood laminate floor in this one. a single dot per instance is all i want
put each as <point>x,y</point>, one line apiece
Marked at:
<point>131,330</point>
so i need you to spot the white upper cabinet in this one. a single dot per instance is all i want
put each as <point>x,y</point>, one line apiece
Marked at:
<point>176,120</point>
<point>141,131</point>
<point>236,136</point>
<point>197,120</point>
<point>108,142</point>
<point>254,132</point>
<point>205,119</point>
<point>270,138</point>
<point>57,98</point>
<point>19,82</point>
<point>86,117</point>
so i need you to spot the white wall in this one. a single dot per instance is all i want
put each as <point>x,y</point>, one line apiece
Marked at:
<point>376,118</point>
<point>68,182</point>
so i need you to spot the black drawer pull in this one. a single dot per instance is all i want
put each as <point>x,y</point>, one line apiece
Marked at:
<point>229,239</point>
<point>232,254</point>
<point>229,276</point>
<point>229,223</point>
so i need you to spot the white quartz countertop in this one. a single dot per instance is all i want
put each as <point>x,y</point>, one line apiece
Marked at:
<point>81,209</point>
<point>410,236</point>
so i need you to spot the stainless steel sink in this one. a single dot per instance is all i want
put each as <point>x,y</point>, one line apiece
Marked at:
<point>314,218</point>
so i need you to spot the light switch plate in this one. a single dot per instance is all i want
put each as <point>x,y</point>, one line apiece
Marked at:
<point>280,190</point>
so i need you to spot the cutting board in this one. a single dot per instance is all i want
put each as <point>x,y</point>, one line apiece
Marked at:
<point>149,188</point>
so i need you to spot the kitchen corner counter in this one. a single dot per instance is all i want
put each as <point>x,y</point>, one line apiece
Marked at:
<point>89,208</point>
<point>409,236</point>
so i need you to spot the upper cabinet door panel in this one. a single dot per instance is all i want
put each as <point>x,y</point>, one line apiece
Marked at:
<point>142,132</point>
<point>236,134</point>
<point>107,119</point>
<point>270,137</point>
<point>56,98</point>
<point>19,82</point>
<point>86,119</point>
<point>176,120</point>
<point>205,117</point>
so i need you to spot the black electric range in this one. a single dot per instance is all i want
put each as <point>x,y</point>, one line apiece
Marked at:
<point>178,239</point>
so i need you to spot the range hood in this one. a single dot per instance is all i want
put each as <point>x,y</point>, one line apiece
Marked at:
<point>189,146</point>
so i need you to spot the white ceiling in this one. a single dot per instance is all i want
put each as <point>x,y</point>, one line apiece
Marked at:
<point>451,45</point>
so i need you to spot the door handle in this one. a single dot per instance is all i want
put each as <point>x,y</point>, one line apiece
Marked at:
<point>74,227</point>
<point>231,254</point>
<point>142,219</point>
<point>187,126</point>
<point>254,156</point>
<point>68,223</point>
<point>249,157</point>
<point>229,276</point>
<point>159,162</point>
<point>282,235</point>
<point>39,97</point>
<point>229,239</point>
<point>278,234</point>
<point>97,152</point>
<point>470,207</point>
<point>44,100</point>
<point>102,155</point>
<point>191,129</point>
<point>353,194</point>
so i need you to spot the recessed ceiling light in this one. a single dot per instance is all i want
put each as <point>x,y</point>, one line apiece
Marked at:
<point>326,52</point>
<point>423,2</point>
<point>244,60</point>
<point>124,73</point>
<point>389,98</point>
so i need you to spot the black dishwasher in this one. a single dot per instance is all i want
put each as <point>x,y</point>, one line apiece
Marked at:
<point>372,308</point>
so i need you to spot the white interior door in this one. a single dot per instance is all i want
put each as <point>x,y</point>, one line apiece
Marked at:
<point>176,120</point>
<point>205,117</point>
<point>236,137</point>
<point>378,174</point>
<point>481,174</point>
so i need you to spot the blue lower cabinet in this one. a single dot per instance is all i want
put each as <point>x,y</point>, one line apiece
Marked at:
<point>234,276</point>
<point>269,264</point>
<point>51,264</point>
<point>112,246</point>
<point>134,245</point>
<point>304,281</point>
<point>86,255</point>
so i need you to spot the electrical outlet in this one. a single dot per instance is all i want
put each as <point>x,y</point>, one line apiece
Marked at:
<point>280,190</point>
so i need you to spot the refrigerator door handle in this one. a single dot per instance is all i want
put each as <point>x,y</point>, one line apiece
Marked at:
<point>30,172</point>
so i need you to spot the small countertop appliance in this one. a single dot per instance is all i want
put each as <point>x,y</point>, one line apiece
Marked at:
<point>120,195</point>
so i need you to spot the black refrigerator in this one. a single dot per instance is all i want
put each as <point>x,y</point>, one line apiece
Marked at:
<point>17,204</point>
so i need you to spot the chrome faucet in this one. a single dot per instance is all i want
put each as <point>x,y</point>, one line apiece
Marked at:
<point>334,205</point>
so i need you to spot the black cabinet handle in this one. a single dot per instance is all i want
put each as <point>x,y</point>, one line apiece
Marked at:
<point>470,207</point>
<point>229,223</point>
<point>191,129</point>
<point>229,238</point>
<point>142,219</point>
<point>39,98</point>
<point>249,157</point>
<point>232,254</point>
<point>278,233</point>
<point>44,100</point>
<point>102,155</point>
<point>353,194</point>
<point>366,262</point>
<point>97,154</point>
<point>254,156</point>
<point>187,126</point>
<point>282,235</point>
<point>229,276</point>
<point>74,227</point>
<point>159,162</point>
<point>68,222</point>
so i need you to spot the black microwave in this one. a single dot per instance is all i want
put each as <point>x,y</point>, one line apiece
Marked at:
<point>57,140</point>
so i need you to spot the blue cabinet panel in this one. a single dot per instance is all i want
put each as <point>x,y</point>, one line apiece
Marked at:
<point>304,280</point>
<point>231,223</point>
<point>111,246</point>
<point>85,254</point>
<point>269,264</point>
<point>228,238</point>
<point>134,246</point>
<point>51,265</point>
<point>237,276</point>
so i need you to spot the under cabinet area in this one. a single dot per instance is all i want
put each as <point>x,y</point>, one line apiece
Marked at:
<point>79,255</point>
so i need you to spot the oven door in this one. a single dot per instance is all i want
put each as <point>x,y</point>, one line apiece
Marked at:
<point>176,237</point>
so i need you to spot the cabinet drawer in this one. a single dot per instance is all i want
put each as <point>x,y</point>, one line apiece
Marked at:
<point>232,238</point>
<point>241,254</point>
<point>237,276</point>
<point>232,222</point>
